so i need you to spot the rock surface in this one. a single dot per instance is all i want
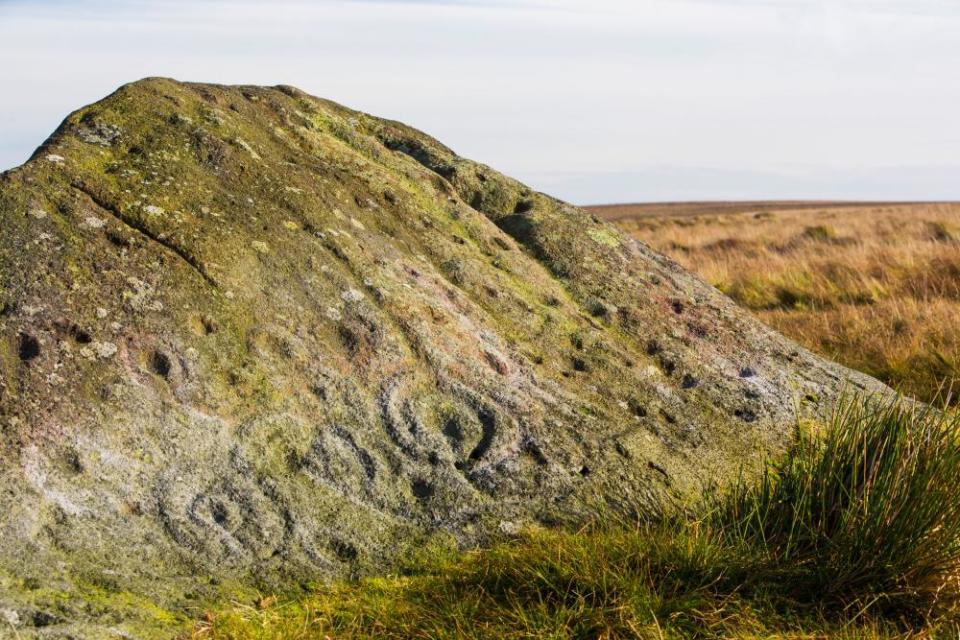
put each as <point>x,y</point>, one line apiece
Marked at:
<point>251,338</point>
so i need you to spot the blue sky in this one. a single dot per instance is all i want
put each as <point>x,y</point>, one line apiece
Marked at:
<point>599,101</point>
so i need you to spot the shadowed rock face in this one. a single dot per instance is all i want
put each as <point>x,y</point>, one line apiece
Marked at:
<point>249,337</point>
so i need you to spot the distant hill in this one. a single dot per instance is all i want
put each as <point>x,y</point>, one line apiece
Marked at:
<point>647,209</point>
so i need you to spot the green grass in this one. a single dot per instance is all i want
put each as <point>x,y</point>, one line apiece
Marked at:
<point>855,533</point>
<point>865,515</point>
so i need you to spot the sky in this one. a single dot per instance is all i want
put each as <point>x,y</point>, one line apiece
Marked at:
<point>592,101</point>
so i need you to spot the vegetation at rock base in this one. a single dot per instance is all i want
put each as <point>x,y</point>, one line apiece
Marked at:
<point>873,286</point>
<point>855,533</point>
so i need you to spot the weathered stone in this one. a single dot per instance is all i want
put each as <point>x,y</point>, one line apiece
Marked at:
<point>429,348</point>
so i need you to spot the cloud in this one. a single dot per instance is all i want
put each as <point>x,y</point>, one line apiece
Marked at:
<point>538,88</point>
<point>671,184</point>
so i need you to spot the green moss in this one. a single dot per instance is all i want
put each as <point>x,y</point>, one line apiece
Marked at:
<point>605,237</point>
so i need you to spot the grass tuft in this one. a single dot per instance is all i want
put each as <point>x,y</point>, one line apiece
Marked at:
<point>865,515</point>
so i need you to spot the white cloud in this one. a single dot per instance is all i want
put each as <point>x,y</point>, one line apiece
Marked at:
<point>547,88</point>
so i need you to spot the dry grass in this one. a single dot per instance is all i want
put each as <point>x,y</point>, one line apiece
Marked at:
<point>876,287</point>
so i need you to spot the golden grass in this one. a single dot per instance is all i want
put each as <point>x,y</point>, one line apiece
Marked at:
<point>875,287</point>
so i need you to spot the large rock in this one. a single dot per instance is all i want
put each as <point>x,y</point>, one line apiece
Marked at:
<point>249,337</point>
